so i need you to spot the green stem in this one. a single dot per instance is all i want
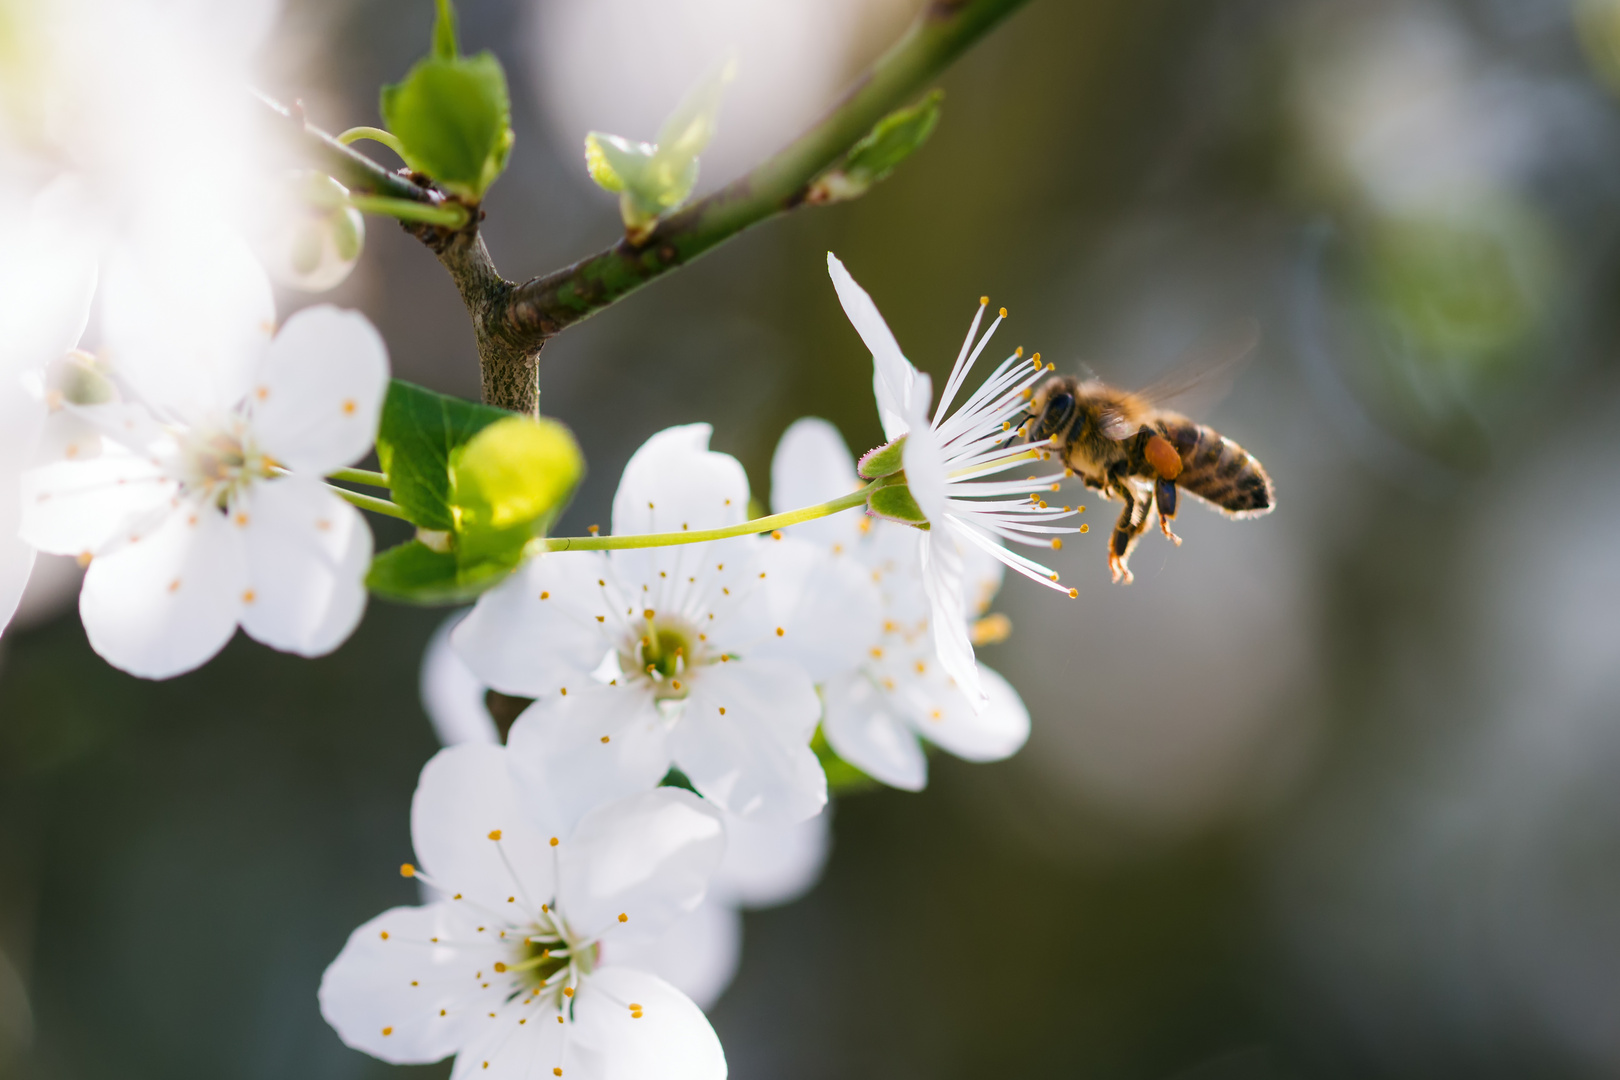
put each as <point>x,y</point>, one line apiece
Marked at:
<point>370,502</point>
<point>941,32</point>
<point>360,476</point>
<point>387,138</point>
<point>747,528</point>
<point>449,215</point>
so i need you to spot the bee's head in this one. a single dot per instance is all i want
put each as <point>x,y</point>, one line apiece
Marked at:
<point>1052,409</point>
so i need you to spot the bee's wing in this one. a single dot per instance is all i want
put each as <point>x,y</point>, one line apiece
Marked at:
<point>1206,372</point>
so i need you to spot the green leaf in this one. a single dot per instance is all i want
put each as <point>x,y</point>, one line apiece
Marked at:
<point>891,140</point>
<point>509,483</point>
<point>479,483</point>
<point>418,432</point>
<point>445,46</point>
<point>842,777</point>
<point>886,460</point>
<point>416,574</point>
<point>897,504</point>
<point>453,116</point>
<point>653,179</point>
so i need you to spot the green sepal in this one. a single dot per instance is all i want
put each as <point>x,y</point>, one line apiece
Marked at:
<point>416,574</point>
<point>897,504</point>
<point>891,140</point>
<point>886,460</point>
<point>842,777</point>
<point>453,114</point>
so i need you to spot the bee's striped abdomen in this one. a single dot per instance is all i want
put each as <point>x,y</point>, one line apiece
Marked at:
<point>1219,470</point>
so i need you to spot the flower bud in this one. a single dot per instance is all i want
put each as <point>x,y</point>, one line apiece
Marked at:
<point>312,237</point>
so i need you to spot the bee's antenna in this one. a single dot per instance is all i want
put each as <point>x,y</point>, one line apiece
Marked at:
<point>1018,424</point>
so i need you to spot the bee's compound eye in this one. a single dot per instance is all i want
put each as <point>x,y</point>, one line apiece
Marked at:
<point>1058,409</point>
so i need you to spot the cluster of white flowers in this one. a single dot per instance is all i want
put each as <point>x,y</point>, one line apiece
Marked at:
<point>583,875</point>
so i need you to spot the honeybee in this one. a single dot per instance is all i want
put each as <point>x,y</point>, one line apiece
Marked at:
<point>1129,446</point>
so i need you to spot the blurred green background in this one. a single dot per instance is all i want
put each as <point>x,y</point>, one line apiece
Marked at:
<point>1328,794</point>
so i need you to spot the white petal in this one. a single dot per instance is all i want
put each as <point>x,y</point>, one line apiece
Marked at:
<point>698,954</point>
<point>538,630</point>
<point>399,983</point>
<point>768,864</point>
<point>648,857</point>
<point>319,390</point>
<point>571,753</point>
<point>307,553</point>
<point>828,606</point>
<point>944,715</point>
<point>942,572</point>
<point>186,316</point>
<point>675,483</point>
<point>503,1049</point>
<point>895,381</point>
<point>812,465</point>
<point>865,729</point>
<point>452,695</point>
<point>167,602</point>
<point>674,479</point>
<point>20,421</point>
<point>754,758</point>
<point>926,473</point>
<point>77,507</point>
<point>464,796</point>
<point>671,1041</point>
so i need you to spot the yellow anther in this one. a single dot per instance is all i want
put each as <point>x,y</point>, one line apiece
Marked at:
<point>385,935</point>
<point>1051,367</point>
<point>779,630</point>
<point>675,684</point>
<point>593,529</point>
<point>984,301</point>
<point>568,991</point>
<point>1074,594</point>
<point>990,630</point>
<point>349,407</point>
<point>407,870</point>
<point>565,691</point>
<point>249,596</point>
<point>601,618</point>
<point>1003,313</point>
<point>647,614</point>
<point>499,966</point>
<point>1018,351</point>
<point>605,738</point>
<point>545,595</point>
<point>1057,542</point>
<point>555,841</point>
<point>722,710</point>
<point>1006,425</point>
<point>388,1031</point>
<point>776,534</point>
<point>623,917</point>
<point>494,834</point>
<point>1085,528</point>
<point>877,653</point>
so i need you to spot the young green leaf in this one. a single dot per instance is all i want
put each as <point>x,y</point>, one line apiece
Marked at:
<point>842,777</point>
<point>654,179</point>
<point>509,483</point>
<point>452,114</point>
<point>418,432</point>
<point>891,140</point>
<point>416,574</point>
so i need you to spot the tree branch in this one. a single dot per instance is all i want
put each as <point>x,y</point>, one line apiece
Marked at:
<point>512,323</point>
<point>543,307</point>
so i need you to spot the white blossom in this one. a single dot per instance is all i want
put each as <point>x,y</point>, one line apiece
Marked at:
<point>875,713</point>
<point>199,506</point>
<point>946,460</point>
<point>697,655</point>
<point>517,971</point>
<point>766,864</point>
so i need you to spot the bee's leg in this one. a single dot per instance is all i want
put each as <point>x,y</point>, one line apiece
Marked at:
<point>1164,497</point>
<point>1133,522</point>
